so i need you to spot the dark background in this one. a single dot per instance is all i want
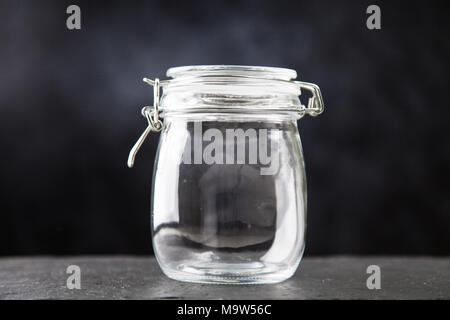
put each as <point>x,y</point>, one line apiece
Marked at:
<point>377,160</point>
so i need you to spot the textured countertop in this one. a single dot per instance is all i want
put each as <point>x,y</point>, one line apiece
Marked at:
<point>125,277</point>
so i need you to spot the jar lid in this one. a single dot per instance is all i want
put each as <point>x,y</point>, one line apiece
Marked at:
<point>233,70</point>
<point>233,89</point>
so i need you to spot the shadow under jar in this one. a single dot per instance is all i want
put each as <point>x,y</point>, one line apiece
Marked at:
<point>229,187</point>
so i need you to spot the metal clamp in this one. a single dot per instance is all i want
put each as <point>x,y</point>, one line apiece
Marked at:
<point>151,113</point>
<point>315,103</point>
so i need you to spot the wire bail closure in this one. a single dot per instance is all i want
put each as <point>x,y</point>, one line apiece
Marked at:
<point>315,103</point>
<point>151,113</point>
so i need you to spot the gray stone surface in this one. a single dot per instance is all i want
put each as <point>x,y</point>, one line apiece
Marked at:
<point>124,277</point>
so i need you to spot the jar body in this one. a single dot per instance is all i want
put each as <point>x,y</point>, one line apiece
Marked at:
<point>229,200</point>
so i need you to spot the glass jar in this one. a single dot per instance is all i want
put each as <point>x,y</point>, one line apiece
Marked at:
<point>229,187</point>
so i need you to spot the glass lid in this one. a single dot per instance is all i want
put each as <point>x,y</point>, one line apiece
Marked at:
<point>233,71</point>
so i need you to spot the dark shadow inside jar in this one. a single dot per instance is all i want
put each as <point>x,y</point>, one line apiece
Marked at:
<point>227,207</point>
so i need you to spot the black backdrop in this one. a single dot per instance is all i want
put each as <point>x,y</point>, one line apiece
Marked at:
<point>377,159</point>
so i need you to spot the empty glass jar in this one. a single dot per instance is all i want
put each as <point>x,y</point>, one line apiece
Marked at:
<point>229,188</point>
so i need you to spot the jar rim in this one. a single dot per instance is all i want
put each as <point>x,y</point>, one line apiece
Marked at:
<point>260,72</point>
